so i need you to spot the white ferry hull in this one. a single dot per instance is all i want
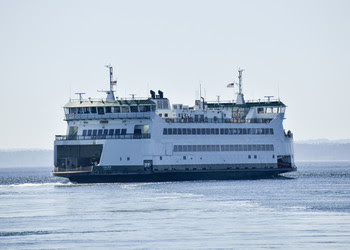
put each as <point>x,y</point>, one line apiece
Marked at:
<point>237,174</point>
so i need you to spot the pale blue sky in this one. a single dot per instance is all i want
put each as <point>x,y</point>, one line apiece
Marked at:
<point>299,50</point>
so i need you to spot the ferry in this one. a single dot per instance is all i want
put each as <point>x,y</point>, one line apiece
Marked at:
<point>150,140</point>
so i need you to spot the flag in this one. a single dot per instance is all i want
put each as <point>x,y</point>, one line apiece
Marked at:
<point>231,85</point>
<point>114,83</point>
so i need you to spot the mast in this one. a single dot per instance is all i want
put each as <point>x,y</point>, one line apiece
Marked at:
<point>240,80</point>
<point>240,96</point>
<point>110,92</point>
<point>110,77</point>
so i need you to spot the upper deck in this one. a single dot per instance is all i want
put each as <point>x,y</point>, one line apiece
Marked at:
<point>102,109</point>
<point>240,111</point>
<point>225,112</point>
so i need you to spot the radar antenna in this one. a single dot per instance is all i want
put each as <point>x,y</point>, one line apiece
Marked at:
<point>80,96</point>
<point>132,96</point>
<point>268,97</point>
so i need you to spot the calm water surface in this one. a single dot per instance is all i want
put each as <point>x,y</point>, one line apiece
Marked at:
<point>308,209</point>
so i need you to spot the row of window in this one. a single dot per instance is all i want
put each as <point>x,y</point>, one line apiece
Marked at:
<point>96,132</point>
<point>106,110</point>
<point>218,148</point>
<point>217,131</point>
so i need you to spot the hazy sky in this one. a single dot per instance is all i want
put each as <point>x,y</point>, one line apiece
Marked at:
<point>297,50</point>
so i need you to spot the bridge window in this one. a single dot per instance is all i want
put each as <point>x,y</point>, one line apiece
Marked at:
<point>89,132</point>
<point>93,110</point>
<point>134,109</point>
<point>105,132</point>
<point>84,132</point>
<point>116,109</point>
<point>111,132</point>
<point>99,132</point>
<point>86,110</point>
<point>94,132</point>
<point>108,110</point>
<point>125,109</point>
<point>123,131</point>
<point>145,108</point>
<point>100,110</point>
<point>73,110</point>
<point>117,131</point>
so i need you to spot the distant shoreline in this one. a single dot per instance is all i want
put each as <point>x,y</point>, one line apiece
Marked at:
<point>305,151</point>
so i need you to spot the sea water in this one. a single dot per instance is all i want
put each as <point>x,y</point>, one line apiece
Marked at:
<point>308,209</point>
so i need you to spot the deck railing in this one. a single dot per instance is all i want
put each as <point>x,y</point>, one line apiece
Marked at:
<point>131,115</point>
<point>98,137</point>
<point>76,169</point>
<point>217,120</point>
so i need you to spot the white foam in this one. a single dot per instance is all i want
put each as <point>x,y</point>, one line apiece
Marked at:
<point>25,185</point>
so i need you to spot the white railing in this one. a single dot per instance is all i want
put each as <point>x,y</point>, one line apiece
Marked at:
<point>98,137</point>
<point>138,115</point>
